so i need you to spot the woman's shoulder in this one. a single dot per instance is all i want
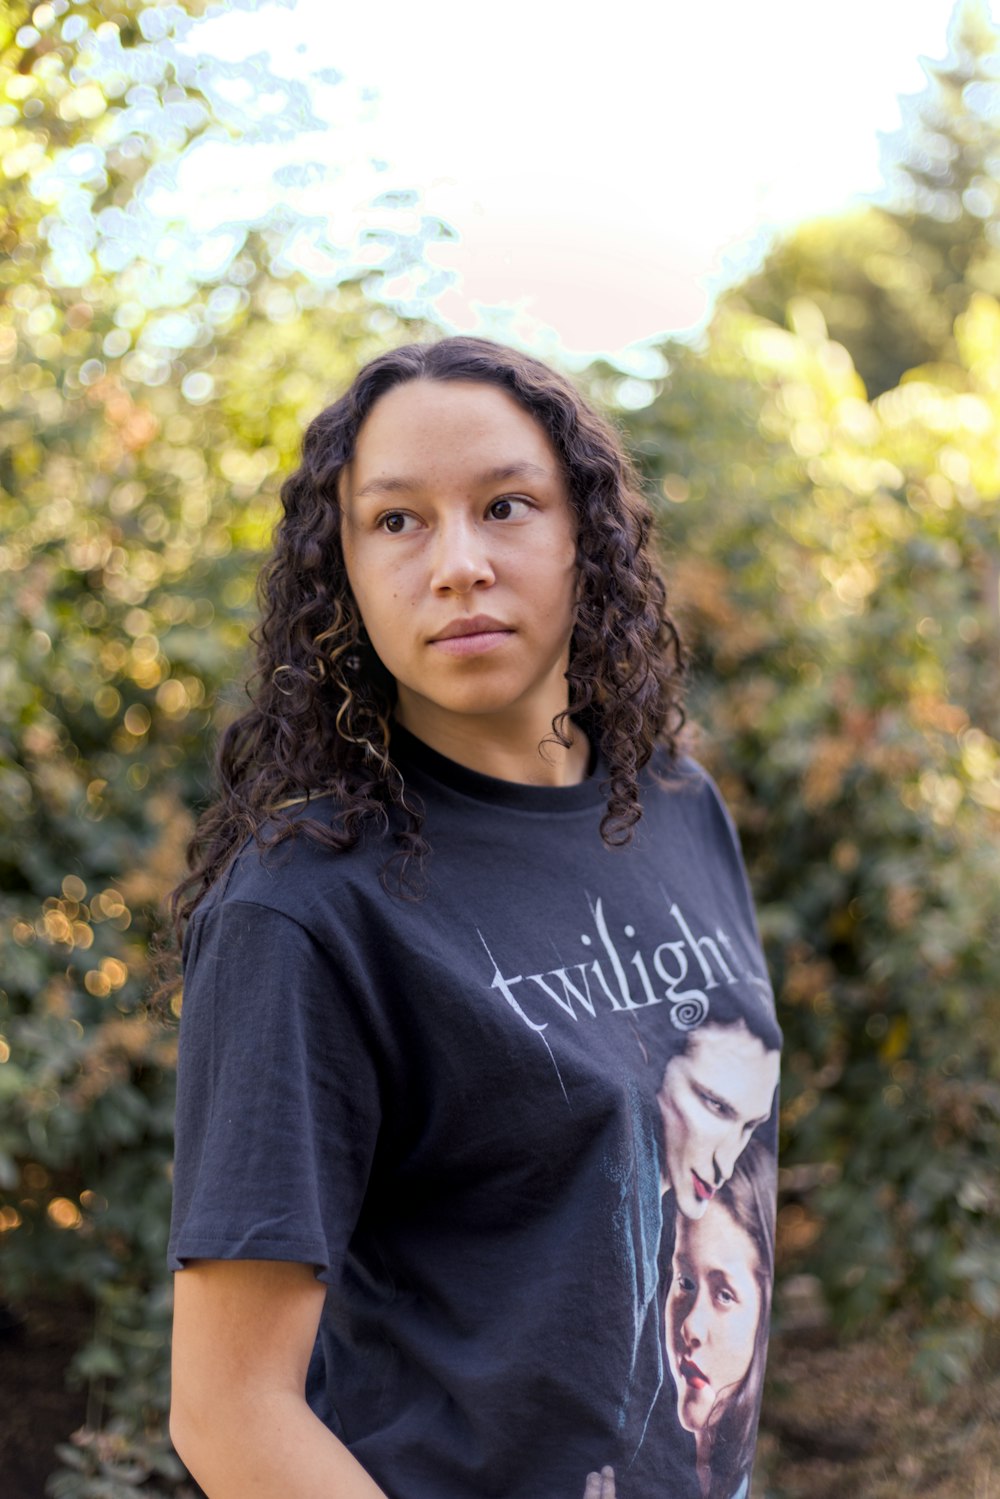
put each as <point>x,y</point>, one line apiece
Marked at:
<point>681,773</point>
<point>295,861</point>
<point>683,786</point>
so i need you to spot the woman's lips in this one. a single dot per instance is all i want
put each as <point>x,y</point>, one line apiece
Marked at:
<point>693,1374</point>
<point>471,637</point>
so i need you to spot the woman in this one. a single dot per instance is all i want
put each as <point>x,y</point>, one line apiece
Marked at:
<point>718,1315</point>
<point>414,1150</point>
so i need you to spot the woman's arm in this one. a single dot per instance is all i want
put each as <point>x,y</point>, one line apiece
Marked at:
<point>243,1334</point>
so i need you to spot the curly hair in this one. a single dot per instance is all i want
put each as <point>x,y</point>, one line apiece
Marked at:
<point>320,720</point>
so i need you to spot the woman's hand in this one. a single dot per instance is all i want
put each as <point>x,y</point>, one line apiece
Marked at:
<point>600,1485</point>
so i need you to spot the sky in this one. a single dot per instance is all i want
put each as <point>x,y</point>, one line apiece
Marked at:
<point>606,168</point>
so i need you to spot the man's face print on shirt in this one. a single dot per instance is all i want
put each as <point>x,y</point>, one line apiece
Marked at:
<point>712,1097</point>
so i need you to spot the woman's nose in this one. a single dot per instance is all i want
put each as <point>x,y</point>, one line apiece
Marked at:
<point>693,1326</point>
<point>460,559</point>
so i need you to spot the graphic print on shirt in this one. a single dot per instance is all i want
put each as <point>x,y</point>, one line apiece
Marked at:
<point>713,1063</point>
<point>579,988</point>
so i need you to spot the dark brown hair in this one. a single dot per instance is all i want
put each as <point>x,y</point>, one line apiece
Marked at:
<point>321,702</point>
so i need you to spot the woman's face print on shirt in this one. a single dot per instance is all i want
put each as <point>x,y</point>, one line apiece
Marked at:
<point>712,1097</point>
<point>717,1319</point>
<point>713,1311</point>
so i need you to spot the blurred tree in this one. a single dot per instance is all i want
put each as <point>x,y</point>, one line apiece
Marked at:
<point>890,280</point>
<point>149,403</point>
<point>860,270</point>
<point>946,163</point>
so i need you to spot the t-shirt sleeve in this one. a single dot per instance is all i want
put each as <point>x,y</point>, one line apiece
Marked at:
<point>729,839</point>
<point>724,834</point>
<point>277,1095</point>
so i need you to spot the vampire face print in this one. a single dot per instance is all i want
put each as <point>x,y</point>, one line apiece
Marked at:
<point>717,1319</point>
<point>712,1096</point>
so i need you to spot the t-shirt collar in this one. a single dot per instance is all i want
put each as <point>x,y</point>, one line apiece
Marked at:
<point>411,754</point>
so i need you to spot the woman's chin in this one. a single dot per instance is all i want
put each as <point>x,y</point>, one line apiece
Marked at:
<point>694,1409</point>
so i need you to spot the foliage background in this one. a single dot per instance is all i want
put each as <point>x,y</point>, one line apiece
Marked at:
<point>826,465</point>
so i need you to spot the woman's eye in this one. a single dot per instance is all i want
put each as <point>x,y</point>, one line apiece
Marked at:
<point>724,1297</point>
<point>395,522</point>
<point>507,507</point>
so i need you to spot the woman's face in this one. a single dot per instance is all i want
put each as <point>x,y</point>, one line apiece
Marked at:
<point>713,1308</point>
<point>712,1098</point>
<point>459,540</point>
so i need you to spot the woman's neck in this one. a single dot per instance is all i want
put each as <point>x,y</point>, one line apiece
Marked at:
<point>526,754</point>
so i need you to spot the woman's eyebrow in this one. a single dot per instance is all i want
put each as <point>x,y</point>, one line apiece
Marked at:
<point>496,475</point>
<point>719,1274</point>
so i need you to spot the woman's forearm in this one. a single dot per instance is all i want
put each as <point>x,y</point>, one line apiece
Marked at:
<point>270,1446</point>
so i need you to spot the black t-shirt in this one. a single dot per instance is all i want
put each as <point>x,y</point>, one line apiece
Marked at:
<point>514,1124</point>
